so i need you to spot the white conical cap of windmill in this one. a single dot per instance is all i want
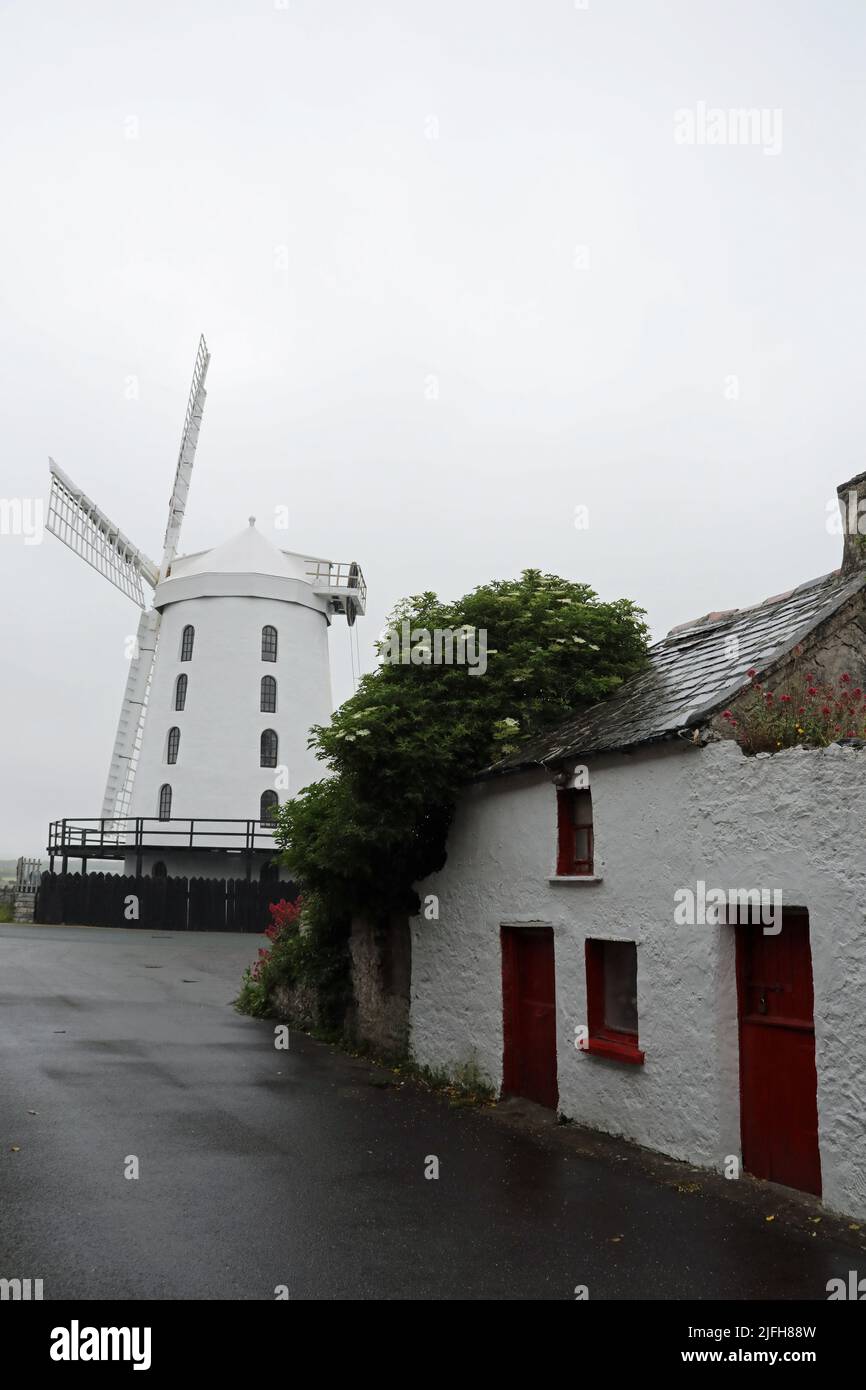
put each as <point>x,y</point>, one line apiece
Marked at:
<point>230,667</point>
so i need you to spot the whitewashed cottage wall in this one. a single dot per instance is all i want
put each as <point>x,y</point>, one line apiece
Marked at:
<point>663,817</point>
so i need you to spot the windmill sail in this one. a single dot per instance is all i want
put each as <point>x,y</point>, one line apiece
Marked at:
<point>127,742</point>
<point>80,524</point>
<point>186,455</point>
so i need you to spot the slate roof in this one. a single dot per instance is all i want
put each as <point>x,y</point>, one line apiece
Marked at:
<point>689,675</point>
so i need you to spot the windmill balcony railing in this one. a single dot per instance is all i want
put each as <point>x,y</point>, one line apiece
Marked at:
<point>340,580</point>
<point>113,837</point>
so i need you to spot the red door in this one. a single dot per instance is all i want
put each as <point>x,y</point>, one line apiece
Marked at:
<point>778,1081</point>
<point>529,1014</point>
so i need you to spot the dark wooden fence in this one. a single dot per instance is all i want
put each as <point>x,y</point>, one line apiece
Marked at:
<point>171,904</point>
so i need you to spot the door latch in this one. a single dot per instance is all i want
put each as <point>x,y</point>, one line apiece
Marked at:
<point>765,990</point>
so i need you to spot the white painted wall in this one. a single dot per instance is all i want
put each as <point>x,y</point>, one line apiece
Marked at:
<point>218,773</point>
<point>663,819</point>
<point>186,865</point>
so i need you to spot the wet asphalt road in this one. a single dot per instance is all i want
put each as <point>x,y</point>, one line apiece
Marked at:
<point>261,1168</point>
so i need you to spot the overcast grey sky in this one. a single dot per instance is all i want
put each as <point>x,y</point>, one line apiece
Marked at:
<point>458,277</point>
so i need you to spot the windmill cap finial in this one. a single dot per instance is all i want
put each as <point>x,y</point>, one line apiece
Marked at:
<point>252,521</point>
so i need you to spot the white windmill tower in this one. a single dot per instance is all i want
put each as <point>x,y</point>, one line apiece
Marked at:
<point>229,671</point>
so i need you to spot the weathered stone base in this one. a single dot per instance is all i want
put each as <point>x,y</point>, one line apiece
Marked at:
<point>297,1004</point>
<point>381,976</point>
<point>24,906</point>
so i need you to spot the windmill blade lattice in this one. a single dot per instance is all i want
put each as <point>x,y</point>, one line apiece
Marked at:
<point>186,455</point>
<point>77,521</point>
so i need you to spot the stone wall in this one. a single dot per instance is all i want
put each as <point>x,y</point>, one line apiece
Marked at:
<point>381,974</point>
<point>299,1005</point>
<point>834,647</point>
<point>25,903</point>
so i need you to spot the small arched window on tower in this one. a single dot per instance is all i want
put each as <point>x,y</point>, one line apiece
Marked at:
<point>165,802</point>
<point>268,807</point>
<point>268,747</point>
<point>186,642</point>
<point>172,745</point>
<point>180,692</point>
<point>159,870</point>
<point>269,643</point>
<point>268,704</point>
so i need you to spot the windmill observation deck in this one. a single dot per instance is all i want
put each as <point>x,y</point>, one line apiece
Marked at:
<point>122,837</point>
<point>342,583</point>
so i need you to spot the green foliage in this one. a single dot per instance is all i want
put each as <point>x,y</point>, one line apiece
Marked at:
<point>464,1083</point>
<point>399,750</point>
<point>306,953</point>
<point>253,998</point>
<point>6,912</point>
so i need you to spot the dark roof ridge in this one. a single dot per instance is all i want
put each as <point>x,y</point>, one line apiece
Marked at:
<point>719,618</point>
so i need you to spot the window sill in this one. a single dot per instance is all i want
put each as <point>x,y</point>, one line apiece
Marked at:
<point>576,878</point>
<point>618,1052</point>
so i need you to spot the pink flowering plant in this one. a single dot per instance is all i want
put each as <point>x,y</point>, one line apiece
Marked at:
<point>274,961</point>
<point>805,711</point>
<point>285,920</point>
<point>299,963</point>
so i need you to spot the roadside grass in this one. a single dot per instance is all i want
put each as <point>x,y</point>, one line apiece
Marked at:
<point>464,1085</point>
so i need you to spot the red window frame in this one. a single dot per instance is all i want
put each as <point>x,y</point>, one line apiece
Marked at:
<point>573,815</point>
<point>606,1041</point>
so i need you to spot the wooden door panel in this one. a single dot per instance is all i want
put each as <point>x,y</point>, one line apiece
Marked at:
<point>529,1014</point>
<point>778,1079</point>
